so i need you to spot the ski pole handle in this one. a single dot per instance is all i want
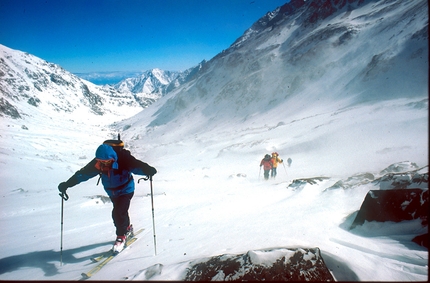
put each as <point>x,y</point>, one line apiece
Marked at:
<point>64,196</point>
<point>146,178</point>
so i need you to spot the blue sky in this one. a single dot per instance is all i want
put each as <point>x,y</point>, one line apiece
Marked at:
<point>127,35</point>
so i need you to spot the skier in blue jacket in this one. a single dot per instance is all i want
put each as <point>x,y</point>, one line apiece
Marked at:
<point>115,166</point>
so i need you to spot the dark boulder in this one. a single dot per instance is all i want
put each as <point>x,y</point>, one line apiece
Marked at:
<point>422,240</point>
<point>301,264</point>
<point>394,205</point>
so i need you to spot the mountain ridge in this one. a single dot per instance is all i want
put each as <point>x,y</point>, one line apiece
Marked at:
<point>32,86</point>
<point>353,49</point>
<point>30,83</point>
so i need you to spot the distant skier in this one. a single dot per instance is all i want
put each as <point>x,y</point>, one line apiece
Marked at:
<point>275,161</point>
<point>115,166</point>
<point>267,164</point>
<point>289,161</point>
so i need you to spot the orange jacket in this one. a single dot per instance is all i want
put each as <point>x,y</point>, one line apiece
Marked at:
<point>276,160</point>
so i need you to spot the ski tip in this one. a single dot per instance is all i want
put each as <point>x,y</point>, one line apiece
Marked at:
<point>85,276</point>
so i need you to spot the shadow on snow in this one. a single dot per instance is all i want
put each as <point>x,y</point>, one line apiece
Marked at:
<point>45,260</point>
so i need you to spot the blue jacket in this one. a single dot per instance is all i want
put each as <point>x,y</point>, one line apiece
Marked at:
<point>119,179</point>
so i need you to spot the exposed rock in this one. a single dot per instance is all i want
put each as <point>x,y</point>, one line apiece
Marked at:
<point>405,180</point>
<point>353,181</point>
<point>422,240</point>
<point>300,183</point>
<point>7,109</point>
<point>399,167</point>
<point>394,205</point>
<point>34,101</point>
<point>301,264</point>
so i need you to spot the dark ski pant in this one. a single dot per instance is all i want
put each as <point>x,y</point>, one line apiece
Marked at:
<point>274,172</point>
<point>120,216</point>
<point>266,174</point>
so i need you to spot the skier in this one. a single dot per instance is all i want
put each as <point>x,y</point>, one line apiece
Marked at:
<point>115,166</point>
<point>275,161</point>
<point>267,164</point>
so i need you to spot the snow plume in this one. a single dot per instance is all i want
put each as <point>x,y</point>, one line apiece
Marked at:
<point>348,58</point>
<point>345,97</point>
<point>345,65</point>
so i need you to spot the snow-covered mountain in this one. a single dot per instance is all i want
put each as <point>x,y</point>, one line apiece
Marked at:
<point>151,81</point>
<point>310,52</point>
<point>31,86</point>
<point>149,86</point>
<point>340,87</point>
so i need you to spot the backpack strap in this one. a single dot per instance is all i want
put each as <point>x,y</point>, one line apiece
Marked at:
<point>100,176</point>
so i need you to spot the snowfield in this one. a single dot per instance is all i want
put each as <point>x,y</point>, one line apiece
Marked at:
<point>209,196</point>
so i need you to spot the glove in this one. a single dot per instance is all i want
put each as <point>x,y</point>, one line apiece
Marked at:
<point>62,187</point>
<point>152,172</point>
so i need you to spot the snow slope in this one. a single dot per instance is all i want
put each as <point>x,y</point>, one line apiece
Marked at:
<point>209,200</point>
<point>209,194</point>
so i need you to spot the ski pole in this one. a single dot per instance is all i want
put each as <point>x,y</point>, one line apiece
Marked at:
<point>152,204</point>
<point>285,168</point>
<point>259,173</point>
<point>64,197</point>
<point>61,244</point>
<point>153,219</point>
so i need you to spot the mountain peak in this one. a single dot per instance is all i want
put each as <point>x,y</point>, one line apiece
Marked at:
<point>306,12</point>
<point>317,9</point>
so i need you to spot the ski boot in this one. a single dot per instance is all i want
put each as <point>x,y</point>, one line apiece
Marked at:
<point>119,244</point>
<point>130,232</point>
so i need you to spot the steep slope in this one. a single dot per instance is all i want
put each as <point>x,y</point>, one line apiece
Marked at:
<point>304,54</point>
<point>31,86</point>
<point>285,73</point>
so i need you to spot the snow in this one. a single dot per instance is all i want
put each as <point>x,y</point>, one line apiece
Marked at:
<point>210,198</point>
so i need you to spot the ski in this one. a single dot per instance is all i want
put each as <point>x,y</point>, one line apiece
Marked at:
<point>109,252</point>
<point>108,256</point>
<point>100,257</point>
